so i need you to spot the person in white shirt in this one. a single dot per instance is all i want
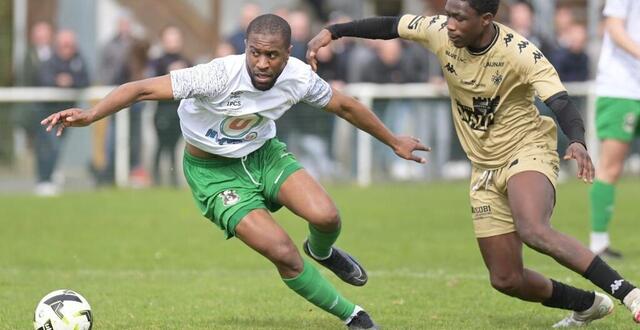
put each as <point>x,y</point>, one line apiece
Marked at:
<point>617,112</point>
<point>237,169</point>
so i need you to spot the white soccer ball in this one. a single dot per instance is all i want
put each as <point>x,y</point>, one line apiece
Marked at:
<point>63,310</point>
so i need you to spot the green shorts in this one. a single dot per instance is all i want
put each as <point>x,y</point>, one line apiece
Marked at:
<point>617,118</point>
<point>226,189</point>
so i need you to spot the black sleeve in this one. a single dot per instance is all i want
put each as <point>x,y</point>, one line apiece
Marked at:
<point>383,27</point>
<point>568,117</point>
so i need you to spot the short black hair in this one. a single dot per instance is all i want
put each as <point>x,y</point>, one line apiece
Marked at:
<point>484,6</point>
<point>271,24</point>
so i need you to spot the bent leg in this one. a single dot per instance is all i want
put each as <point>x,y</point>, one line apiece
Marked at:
<point>260,232</point>
<point>531,198</point>
<point>305,197</point>
<point>502,255</point>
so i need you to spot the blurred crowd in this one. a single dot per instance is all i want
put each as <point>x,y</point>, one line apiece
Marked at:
<point>54,60</point>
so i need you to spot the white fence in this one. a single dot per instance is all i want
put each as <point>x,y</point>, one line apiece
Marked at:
<point>365,92</point>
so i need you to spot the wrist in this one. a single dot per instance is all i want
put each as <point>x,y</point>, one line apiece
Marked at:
<point>579,142</point>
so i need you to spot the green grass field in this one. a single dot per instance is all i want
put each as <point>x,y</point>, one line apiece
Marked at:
<point>145,259</point>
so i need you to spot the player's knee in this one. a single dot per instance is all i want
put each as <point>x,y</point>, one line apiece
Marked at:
<point>610,172</point>
<point>508,284</point>
<point>535,237</point>
<point>326,218</point>
<point>286,257</point>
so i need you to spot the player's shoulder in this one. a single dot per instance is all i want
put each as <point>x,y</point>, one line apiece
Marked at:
<point>296,71</point>
<point>516,47</point>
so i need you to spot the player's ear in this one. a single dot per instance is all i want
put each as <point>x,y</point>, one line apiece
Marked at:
<point>487,18</point>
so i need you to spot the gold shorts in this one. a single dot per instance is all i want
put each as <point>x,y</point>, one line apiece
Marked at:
<point>488,190</point>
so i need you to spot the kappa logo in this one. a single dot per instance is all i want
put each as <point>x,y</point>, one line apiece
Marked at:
<point>508,39</point>
<point>537,55</point>
<point>451,69</point>
<point>616,285</point>
<point>229,197</point>
<point>522,45</point>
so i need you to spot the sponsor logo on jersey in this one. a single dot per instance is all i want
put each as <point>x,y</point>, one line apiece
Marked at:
<point>234,100</point>
<point>481,211</point>
<point>496,79</point>
<point>235,127</point>
<point>494,64</point>
<point>481,115</point>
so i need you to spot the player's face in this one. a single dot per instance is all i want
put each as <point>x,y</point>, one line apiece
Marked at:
<point>267,55</point>
<point>464,25</point>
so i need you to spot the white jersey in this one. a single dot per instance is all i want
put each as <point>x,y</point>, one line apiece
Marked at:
<point>222,112</point>
<point>618,70</point>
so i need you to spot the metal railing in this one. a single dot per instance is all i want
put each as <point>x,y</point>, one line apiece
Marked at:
<point>365,92</point>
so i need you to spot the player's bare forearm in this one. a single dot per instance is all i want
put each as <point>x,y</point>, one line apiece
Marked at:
<point>158,88</point>
<point>616,28</point>
<point>361,117</point>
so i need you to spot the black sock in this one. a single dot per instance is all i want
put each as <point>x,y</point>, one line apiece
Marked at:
<point>567,297</point>
<point>607,279</point>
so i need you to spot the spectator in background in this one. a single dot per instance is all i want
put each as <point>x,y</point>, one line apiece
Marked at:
<point>236,39</point>
<point>571,59</point>
<point>166,120</point>
<point>617,113</point>
<point>123,60</point>
<point>224,49</point>
<point>300,33</point>
<point>522,20</point>
<point>40,50</point>
<point>563,20</point>
<point>65,69</point>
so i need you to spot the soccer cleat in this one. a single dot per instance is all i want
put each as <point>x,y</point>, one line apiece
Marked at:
<point>632,301</point>
<point>342,264</point>
<point>362,321</point>
<point>602,306</point>
<point>608,253</point>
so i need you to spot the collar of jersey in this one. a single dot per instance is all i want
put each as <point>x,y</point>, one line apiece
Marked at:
<point>486,49</point>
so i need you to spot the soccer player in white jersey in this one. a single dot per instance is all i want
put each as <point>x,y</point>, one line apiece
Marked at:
<point>237,169</point>
<point>493,74</point>
<point>617,112</point>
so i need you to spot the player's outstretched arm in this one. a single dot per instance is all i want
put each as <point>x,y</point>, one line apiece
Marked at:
<point>158,88</point>
<point>385,27</point>
<point>357,114</point>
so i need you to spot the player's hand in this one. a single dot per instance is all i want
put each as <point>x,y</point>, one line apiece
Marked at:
<point>405,147</point>
<point>578,152</point>
<point>73,117</point>
<point>320,40</point>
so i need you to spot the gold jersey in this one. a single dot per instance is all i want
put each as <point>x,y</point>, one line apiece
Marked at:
<point>492,92</point>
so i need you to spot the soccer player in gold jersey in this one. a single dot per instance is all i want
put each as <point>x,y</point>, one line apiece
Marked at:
<point>493,74</point>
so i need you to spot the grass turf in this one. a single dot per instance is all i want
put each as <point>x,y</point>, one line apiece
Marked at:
<point>145,259</point>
